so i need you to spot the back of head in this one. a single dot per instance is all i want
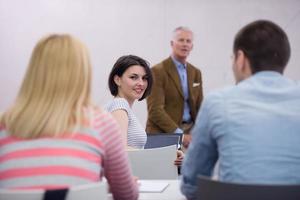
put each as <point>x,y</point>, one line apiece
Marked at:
<point>55,89</point>
<point>265,44</point>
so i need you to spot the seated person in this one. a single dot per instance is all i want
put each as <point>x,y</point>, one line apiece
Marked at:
<point>53,136</point>
<point>130,79</point>
<point>253,127</point>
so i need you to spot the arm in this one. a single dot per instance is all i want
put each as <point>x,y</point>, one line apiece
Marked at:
<point>119,109</point>
<point>115,163</point>
<point>196,96</point>
<point>195,90</point>
<point>156,103</point>
<point>121,117</point>
<point>200,97</point>
<point>201,155</point>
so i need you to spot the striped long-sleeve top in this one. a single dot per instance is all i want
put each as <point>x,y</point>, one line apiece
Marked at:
<point>79,158</point>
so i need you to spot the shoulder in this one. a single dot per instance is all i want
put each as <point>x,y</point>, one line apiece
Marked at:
<point>117,104</point>
<point>223,93</point>
<point>162,65</point>
<point>217,99</point>
<point>101,115</point>
<point>193,68</point>
<point>101,119</point>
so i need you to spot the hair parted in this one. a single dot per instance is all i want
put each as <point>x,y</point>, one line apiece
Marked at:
<point>55,89</point>
<point>121,65</point>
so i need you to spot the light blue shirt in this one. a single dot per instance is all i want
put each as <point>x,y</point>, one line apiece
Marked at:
<point>181,69</point>
<point>252,128</point>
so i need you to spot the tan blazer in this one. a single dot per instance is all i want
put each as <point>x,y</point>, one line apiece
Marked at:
<point>166,101</point>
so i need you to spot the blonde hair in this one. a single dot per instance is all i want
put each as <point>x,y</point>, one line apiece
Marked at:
<point>54,92</point>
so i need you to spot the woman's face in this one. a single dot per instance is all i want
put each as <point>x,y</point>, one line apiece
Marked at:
<point>132,84</point>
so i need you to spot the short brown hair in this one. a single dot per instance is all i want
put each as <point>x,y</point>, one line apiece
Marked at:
<point>121,65</point>
<point>265,44</point>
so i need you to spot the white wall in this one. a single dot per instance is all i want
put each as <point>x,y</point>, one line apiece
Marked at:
<point>111,28</point>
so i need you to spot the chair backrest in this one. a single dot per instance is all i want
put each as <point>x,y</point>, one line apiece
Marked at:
<point>156,163</point>
<point>93,191</point>
<point>163,139</point>
<point>215,190</point>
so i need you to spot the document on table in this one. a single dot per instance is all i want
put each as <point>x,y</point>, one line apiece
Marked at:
<point>150,186</point>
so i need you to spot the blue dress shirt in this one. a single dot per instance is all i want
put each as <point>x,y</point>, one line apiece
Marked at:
<point>181,69</point>
<point>252,128</point>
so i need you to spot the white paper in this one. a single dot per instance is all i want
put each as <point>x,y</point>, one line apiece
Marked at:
<point>149,186</point>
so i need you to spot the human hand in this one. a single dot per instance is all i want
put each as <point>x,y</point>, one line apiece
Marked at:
<point>136,180</point>
<point>180,156</point>
<point>186,140</point>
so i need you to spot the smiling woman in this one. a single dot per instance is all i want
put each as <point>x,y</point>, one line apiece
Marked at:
<point>134,82</point>
<point>130,79</point>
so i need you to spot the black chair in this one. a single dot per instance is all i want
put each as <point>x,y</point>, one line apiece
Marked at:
<point>163,139</point>
<point>215,190</point>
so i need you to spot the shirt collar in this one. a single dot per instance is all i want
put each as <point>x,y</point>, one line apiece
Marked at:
<point>178,64</point>
<point>267,73</point>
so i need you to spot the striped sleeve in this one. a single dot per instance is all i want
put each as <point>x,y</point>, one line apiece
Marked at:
<point>116,164</point>
<point>117,104</point>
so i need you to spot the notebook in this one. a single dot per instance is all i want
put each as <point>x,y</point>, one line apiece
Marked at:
<point>152,186</point>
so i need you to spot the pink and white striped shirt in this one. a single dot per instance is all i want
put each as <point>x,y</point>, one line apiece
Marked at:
<point>80,158</point>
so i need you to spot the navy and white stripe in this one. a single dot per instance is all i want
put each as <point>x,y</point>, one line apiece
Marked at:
<point>136,134</point>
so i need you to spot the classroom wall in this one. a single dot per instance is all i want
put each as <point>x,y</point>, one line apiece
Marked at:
<point>111,28</point>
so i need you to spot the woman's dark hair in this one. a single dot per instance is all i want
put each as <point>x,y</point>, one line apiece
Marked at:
<point>121,65</point>
<point>265,44</point>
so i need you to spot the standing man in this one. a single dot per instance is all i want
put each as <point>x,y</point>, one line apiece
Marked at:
<point>177,90</point>
<point>253,128</point>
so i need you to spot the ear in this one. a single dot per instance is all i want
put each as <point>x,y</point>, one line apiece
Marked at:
<point>242,63</point>
<point>171,43</point>
<point>240,60</point>
<point>117,80</point>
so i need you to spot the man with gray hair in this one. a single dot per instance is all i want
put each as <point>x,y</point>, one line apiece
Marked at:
<point>177,90</point>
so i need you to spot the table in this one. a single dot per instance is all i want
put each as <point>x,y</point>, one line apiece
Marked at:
<point>172,192</point>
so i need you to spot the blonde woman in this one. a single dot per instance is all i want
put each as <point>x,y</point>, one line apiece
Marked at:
<point>53,136</point>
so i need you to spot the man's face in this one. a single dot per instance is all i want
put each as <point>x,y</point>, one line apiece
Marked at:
<point>182,44</point>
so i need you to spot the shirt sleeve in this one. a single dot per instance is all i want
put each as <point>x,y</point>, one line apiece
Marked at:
<point>115,163</point>
<point>202,153</point>
<point>156,103</point>
<point>118,104</point>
